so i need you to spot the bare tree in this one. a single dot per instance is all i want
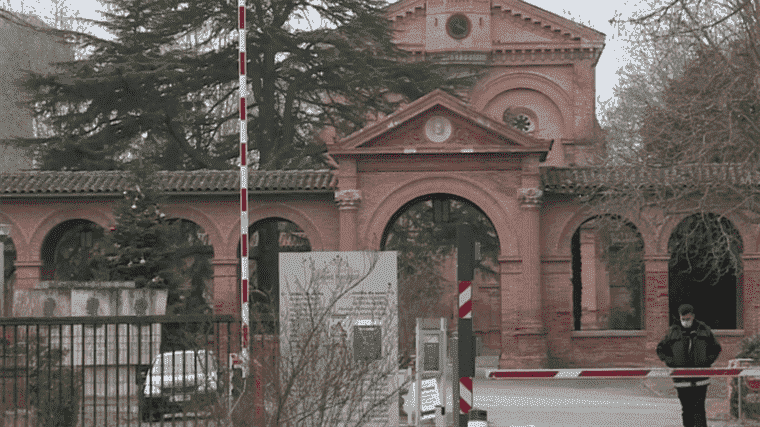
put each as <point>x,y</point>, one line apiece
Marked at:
<point>328,372</point>
<point>682,140</point>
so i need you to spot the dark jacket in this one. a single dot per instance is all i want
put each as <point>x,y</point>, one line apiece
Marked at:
<point>674,348</point>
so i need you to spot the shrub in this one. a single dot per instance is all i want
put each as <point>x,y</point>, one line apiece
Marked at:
<point>54,389</point>
<point>750,349</point>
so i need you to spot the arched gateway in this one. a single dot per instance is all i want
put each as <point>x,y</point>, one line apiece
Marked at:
<point>510,145</point>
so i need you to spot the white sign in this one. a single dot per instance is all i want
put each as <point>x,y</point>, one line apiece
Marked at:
<point>347,303</point>
<point>430,398</point>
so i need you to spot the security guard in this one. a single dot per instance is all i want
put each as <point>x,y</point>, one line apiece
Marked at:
<point>690,344</point>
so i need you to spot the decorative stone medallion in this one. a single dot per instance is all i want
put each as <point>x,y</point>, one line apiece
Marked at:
<point>438,129</point>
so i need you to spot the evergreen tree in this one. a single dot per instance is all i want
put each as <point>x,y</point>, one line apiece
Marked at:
<point>155,251</point>
<point>166,89</point>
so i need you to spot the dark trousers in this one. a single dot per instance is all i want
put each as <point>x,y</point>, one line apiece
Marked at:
<point>693,405</point>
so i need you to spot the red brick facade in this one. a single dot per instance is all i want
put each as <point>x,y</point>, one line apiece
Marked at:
<point>544,70</point>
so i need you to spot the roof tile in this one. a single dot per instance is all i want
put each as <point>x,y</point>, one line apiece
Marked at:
<point>92,182</point>
<point>582,179</point>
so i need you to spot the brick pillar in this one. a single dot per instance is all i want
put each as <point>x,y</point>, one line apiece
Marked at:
<point>531,331</point>
<point>749,305</point>
<point>27,274</point>
<point>656,308</point>
<point>348,198</point>
<point>557,291</point>
<point>510,272</point>
<point>226,287</point>
<point>348,207</point>
<point>530,334</point>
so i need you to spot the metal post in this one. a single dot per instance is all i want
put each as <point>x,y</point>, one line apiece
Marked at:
<point>455,378</point>
<point>243,87</point>
<point>443,363</point>
<point>465,270</point>
<point>409,418</point>
<point>418,376</point>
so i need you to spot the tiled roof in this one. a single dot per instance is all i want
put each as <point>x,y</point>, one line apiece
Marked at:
<point>111,182</point>
<point>578,180</point>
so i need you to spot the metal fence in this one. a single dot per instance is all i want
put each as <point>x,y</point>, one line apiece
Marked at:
<point>93,371</point>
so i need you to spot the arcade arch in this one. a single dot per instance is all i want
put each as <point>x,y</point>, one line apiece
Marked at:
<point>498,212</point>
<point>422,232</point>
<point>196,268</point>
<point>705,268</point>
<point>607,275</point>
<point>67,248</point>
<point>267,238</point>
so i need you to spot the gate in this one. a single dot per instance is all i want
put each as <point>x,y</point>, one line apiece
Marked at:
<point>91,371</point>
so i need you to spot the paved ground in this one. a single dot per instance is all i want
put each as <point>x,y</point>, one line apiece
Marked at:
<point>576,403</point>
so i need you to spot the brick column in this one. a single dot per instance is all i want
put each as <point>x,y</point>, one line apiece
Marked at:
<point>749,305</point>
<point>348,207</point>
<point>510,272</point>
<point>656,308</point>
<point>530,332</point>
<point>348,198</point>
<point>27,274</point>
<point>226,289</point>
<point>27,277</point>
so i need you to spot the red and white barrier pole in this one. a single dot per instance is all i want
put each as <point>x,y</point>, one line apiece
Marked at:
<point>615,373</point>
<point>466,353</point>
<point>245,316</point>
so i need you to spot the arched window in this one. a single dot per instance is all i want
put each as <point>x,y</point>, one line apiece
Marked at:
<point>704,270</point>
<point>67,249</point>
<point>608,275</point>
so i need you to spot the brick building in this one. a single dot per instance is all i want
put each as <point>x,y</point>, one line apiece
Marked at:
<point>515,149</point>
<point>22,49</point>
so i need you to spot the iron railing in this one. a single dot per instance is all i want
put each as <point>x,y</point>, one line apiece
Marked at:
<point>92,371</point>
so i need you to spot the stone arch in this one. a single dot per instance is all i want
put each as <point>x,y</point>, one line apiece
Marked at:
<point>498,213</point>
<point>565,236</point>
<point>698,277</point>
<point>745,232</point>
<point>488,89</point>
<point>32,251</point>
<point>277,210</point>
<point>607,273</point>
<point>189,213</point>
<point>73,240</point>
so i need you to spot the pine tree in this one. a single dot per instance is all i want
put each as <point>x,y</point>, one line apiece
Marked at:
<point>155,251</point>
<point>166,89</point>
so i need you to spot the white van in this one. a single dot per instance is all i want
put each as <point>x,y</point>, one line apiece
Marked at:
<point>179,381</point>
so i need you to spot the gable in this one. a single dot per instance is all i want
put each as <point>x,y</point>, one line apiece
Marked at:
<point>437,123</point>
<point>438,129</point>
<point>508,25</point>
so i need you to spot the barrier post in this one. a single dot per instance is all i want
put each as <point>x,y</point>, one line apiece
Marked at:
<point>455,378</point>
<point>465,269</point>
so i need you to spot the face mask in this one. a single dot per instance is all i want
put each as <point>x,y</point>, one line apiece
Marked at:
<point>686,323</point>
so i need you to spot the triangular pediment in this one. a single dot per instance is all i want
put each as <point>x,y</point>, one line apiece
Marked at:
<point>437,123</point>
<point>532,22</point>
<point>514,22</point>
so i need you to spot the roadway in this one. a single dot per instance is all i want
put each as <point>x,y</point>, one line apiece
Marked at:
<point>576,403</point>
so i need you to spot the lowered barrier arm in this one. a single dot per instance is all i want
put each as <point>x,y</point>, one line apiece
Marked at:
<point>625,373</point>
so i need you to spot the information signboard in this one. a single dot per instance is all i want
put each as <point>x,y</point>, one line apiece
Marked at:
<point>348,301</point>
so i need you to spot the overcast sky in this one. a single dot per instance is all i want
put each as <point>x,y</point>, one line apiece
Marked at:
<point>593,13</point>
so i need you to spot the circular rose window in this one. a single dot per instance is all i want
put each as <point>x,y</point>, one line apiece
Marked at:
<point>519,120</point>
<point>458,26</point>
